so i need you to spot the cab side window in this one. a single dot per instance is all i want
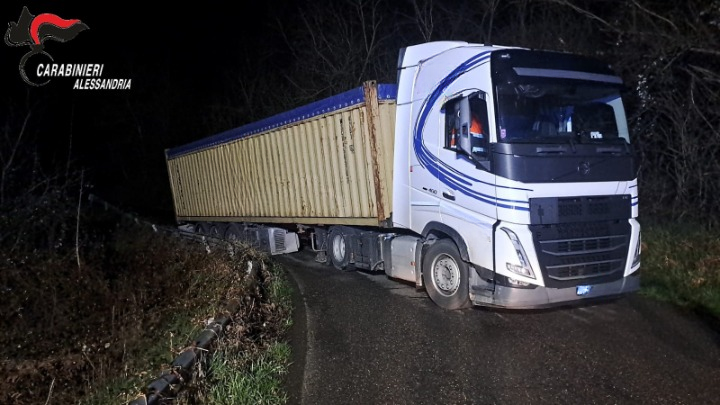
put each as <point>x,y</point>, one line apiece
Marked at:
<point>466,125</point>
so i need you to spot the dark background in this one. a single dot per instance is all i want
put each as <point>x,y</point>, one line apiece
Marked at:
<point>177,58</point>
<point>212,66</point>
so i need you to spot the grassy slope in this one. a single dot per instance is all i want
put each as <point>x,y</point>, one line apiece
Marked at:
<point>249,362</point>
<point>96,325</point>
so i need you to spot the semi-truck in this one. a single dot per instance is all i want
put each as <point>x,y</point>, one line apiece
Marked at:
<point>487,175</point>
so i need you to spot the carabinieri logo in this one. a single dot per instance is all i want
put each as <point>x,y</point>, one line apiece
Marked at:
<point>33,31</point>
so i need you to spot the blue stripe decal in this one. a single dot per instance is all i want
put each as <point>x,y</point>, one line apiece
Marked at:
<point>328,105</point>
<point>447,174</point>
<point>507,187</point>
<point>511,188</point>
<point>512,201</point>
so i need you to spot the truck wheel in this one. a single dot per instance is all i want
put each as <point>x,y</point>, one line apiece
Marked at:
<point>202,228</point>
<point>232,233</point>
<point>339,249</point>
<point>217,230</point>
<point>445,275</point>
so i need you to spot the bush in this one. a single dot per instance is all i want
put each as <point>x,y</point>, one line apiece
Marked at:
<point>681,264</point>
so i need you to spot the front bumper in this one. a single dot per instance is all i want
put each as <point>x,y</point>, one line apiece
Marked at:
<point>540,297</point>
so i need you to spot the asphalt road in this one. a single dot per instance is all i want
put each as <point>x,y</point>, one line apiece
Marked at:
<point>361,338</point>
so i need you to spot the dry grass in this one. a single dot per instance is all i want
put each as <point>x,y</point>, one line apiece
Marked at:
<point>105,328</point>
<point>248,362</point>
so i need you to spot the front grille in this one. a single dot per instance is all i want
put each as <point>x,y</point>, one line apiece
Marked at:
<point>581,253</point>
<point>563,210</point>
<point>583,270</point>
<point>569,207</point>
<point>564,247</point>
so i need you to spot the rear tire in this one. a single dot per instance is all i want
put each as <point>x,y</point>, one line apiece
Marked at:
<point>232,233</point>
<point>217,230</point>
<point>445,276</point>
<point>339,249</point>
<point>202,228</point>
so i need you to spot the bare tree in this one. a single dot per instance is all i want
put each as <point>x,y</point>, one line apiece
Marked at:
<point>668,54</point>
<point>329,58</point>
<point>424,18</point>
<point>12,139</point>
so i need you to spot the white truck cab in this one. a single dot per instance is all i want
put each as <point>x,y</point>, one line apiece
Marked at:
<point>541,203</point>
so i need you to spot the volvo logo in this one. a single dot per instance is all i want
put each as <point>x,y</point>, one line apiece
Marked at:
<point>584,168</point>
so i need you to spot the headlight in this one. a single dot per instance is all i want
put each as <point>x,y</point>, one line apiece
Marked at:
<point>524,269</point>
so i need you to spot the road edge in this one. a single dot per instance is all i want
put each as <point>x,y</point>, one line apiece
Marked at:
<point>297,338</point>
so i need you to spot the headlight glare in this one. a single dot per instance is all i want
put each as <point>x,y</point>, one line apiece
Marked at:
<point>524,269</point>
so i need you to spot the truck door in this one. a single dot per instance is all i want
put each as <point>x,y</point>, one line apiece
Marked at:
<point>424,202</point>
<point>465,181</point>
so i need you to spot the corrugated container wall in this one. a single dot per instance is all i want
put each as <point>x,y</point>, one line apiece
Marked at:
<point>329,162</point>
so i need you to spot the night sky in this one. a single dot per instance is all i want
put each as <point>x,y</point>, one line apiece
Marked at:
<point>179,60</point>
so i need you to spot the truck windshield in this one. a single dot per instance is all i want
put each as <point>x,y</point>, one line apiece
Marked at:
<point>560,113</point>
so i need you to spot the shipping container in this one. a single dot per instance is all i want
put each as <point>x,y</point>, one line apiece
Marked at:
<point>329,162</point>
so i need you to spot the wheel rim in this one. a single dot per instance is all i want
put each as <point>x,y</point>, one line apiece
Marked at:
<point>445,275</point>
<point>338,248</point>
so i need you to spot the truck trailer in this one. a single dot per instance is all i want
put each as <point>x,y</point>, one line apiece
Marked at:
<point>487,175</point>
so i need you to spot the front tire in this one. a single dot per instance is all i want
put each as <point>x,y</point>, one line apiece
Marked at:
<point>445,276</point>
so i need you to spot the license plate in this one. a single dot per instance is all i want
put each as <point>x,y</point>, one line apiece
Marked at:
<point>583,289</point>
